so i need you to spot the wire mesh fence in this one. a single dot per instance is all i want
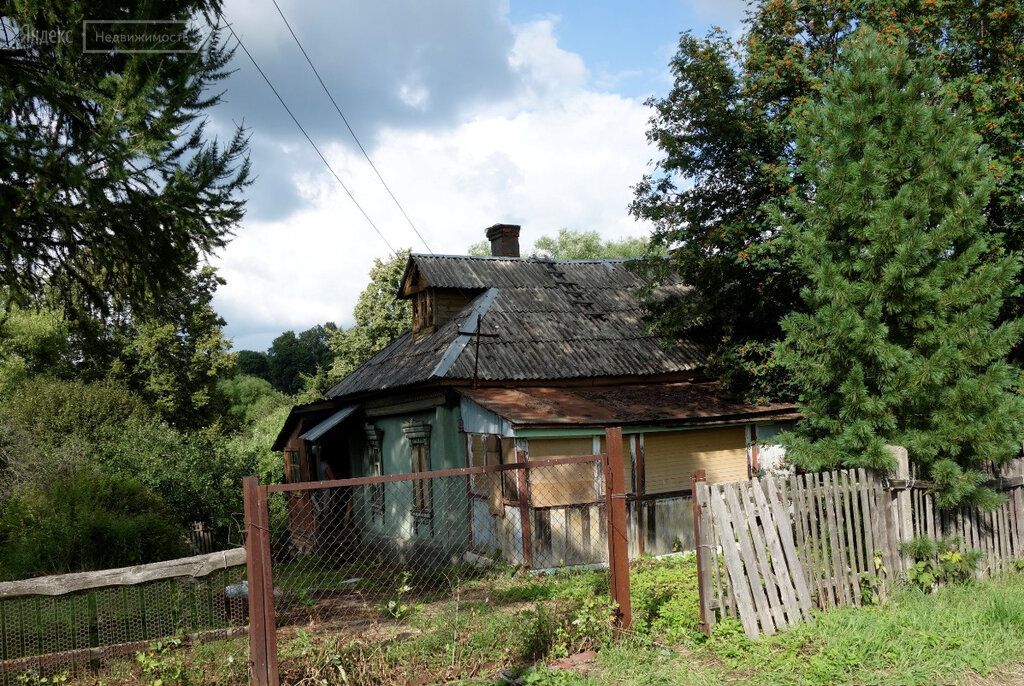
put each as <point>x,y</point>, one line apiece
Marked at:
<point>51,626</point>
<point>376,560</point>
<point>361,554</point>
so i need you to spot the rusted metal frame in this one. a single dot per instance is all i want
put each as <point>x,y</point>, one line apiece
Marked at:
<point>269,612</point>
<point>523,493</point>
<point>254,559</point>
<point>437,474</point>
<point>618,534</point>
<point>697,478</point>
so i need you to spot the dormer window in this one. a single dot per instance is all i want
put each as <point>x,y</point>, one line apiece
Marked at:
<point>424,318</point>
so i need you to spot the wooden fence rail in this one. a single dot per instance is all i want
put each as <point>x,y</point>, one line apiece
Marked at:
<point>772,548</point>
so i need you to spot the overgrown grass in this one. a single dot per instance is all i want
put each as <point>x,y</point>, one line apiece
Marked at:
<point>513,624</point>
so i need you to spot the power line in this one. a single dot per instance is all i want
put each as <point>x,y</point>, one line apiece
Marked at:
<point>308,138</point>
<point>341,114</point>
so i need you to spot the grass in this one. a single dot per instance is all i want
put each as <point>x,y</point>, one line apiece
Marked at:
<point>514,624</point>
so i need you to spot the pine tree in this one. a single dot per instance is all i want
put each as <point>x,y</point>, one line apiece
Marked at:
<point>901,342</point>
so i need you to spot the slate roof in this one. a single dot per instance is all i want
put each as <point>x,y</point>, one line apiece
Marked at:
<point>553,319</point>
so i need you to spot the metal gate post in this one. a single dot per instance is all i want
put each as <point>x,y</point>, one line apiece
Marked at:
<point>618,534</point>
<point>262,622</point>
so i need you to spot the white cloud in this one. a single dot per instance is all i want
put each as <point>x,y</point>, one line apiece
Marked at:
<point>554,152</point>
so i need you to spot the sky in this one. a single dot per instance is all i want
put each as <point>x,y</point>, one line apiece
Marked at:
<point>475,112</point>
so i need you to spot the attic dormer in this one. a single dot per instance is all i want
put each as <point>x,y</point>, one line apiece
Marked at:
<point>435,304</point>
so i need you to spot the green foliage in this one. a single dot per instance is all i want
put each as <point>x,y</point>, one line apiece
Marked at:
<point>573,244</point>
<point>32,342</point>
<point>85,521</point>
<point>249,398</point>
<point>938,562</point>
<point>111,187</point>
<point>292,357</point>
<point>398,606</point>
<point>726,134</point>
<point>587,245</point>
<point>380,317</point>
<point>160,666</point>
<point>901,342</point>
<point>176,354</point>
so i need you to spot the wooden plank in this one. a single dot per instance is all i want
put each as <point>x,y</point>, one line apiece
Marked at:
<point>787,564</point>
<point>703,551</point>
<point>838,565</point>
<point>742,526</point>
<point>737,577</point>
<point>765,563</point>
<point>800,530</point>
<point>820,530</point>
<point>866,519</point>
<point>196,566</point>
<point>1017,495</point>
<point>853,535</point>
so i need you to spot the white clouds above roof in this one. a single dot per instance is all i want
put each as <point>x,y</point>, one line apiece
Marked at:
<point>529,138</point>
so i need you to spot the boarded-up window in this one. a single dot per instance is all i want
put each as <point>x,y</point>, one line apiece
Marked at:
<point>627,462</point>
<point>563,484</point>
<point>489,450</point>
<point>291,466</point>
<point>671,457</point>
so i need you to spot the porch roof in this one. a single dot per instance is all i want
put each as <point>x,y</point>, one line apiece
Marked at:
<point>326,425</point>
<point>690,403</point>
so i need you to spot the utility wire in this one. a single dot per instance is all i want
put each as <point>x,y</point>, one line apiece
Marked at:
<point>341,114</point>
<point>308,138</point>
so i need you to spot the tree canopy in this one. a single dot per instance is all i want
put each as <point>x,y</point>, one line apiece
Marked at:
<point>726,134</point>
<point>901,340</point>
<point>573,244</point>
<point>111,148</point>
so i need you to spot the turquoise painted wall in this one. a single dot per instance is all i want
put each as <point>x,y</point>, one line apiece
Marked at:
<point>448,496</point>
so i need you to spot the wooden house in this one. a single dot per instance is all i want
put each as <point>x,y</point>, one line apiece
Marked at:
<point>513,358</point>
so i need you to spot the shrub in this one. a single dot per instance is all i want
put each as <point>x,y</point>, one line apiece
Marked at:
<point>940,561</point>
<point>83,522</point>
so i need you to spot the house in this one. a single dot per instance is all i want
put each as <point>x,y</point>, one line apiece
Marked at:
<point>518,359</point>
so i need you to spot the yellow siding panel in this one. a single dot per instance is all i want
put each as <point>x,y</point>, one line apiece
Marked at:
<point>562,484</point>
<point>671,457</point>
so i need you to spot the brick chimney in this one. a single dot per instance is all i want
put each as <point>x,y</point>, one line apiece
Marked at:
<point>504,240</point>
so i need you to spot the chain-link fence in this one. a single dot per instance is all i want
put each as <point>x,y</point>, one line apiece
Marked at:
<point>71,624</point>
<point>360,557</point>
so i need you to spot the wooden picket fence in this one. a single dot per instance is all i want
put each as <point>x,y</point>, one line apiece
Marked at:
<point>771,549</point>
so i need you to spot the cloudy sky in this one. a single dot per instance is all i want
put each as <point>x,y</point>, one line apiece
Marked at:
<point>475,112</point>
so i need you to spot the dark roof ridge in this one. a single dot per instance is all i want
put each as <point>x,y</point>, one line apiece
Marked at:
<point>529,258</point>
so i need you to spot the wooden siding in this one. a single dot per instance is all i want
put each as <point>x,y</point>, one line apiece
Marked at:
<point>671,457</point>
<point>566,484</point>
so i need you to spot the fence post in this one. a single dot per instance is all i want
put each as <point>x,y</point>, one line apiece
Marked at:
<point>523,489</point>
<point>262,622</point>
<point>618,536</point>
<point>697,479</point>
<point>900,504</point>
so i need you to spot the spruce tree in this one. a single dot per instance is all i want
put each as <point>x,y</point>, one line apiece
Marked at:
<point>901,342</point>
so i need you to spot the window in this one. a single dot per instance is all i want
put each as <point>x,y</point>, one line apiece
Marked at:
<point>421,487</point>
<point>291,465</point>
<point>375,465</point>
<point>418,434</point>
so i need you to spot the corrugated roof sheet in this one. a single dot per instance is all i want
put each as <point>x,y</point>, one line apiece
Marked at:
<point>664,403</point>
<point>326,425</point>
<point>553,320</point>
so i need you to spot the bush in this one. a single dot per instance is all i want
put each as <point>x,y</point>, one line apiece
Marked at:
<point>84,522</point>
<point>940,561</point>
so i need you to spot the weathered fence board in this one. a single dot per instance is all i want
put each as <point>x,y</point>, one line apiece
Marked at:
<point>831,539</point>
